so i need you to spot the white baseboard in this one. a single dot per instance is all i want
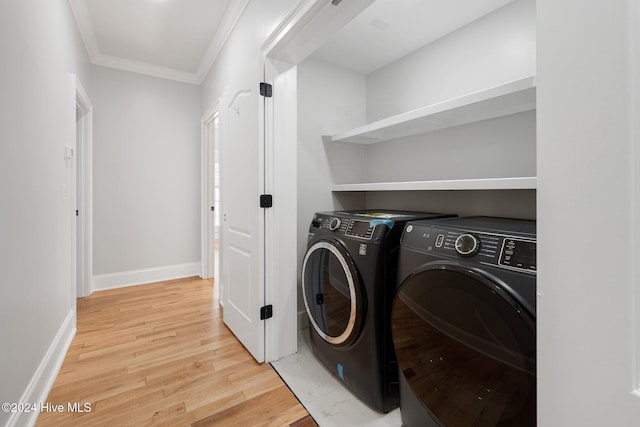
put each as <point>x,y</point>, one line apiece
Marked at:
<point>38,389</point>
<point>149,275</point>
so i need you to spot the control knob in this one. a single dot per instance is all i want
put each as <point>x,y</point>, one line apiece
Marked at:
<point>467,244</point>
<point>334,224</point>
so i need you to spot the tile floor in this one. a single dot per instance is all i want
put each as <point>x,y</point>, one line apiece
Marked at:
<point>321,393</point>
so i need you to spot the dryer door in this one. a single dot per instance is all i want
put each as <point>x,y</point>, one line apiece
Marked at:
<point>466,348</point>
<point>332,292</point>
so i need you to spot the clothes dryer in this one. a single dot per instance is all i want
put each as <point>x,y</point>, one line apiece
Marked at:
<point>464,322</point>
<point>349,276</point>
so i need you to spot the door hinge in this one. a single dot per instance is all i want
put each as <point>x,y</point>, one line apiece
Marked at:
<point>77,213</point>
<point>266,200</point>
<point>266,312</point>
<point>266,90</point>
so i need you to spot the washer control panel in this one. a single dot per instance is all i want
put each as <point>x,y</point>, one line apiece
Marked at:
<point>362,229</point>
<point>509,252</point>
<point>349,227</point>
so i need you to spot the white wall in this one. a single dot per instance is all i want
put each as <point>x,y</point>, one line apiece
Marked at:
<point>39,48</point>
<point>497,148</point>
<point>586,143</point>
<point>330,100</point>
<point>259,19</point>
<point>146,174</point>
<point>495,49</point>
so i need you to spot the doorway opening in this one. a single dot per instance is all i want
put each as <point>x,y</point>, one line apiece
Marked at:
<point>211,256</point>
<point>82,240</point>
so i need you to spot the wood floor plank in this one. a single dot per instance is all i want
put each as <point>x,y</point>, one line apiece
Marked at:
<point>160,354</point>
<point>305,422</point>
<point>270,409</point>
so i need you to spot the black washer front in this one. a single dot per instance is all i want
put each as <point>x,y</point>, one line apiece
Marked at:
<point>333,294</point>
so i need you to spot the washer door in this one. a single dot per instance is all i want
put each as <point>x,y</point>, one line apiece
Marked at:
<point>466,348</point>
<point>332,292</point>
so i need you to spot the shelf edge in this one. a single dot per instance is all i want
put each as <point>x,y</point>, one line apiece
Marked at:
<point>517,183</point>
<point>359,135</point>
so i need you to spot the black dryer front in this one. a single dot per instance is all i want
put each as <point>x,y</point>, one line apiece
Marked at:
<point>463,323</point>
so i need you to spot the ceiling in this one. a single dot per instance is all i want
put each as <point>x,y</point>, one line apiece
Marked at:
<point>390,29</point>
<point>180,39</point>
<point>175,39</point>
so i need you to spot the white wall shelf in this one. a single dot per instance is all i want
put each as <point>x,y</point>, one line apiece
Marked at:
<point>517,183</point>
<point>499,101</point>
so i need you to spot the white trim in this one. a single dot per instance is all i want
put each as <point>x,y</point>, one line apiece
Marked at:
<point>83,20</point>
<point>148,275</point>
<point>306,27</point>
<point>292,24</point>
<point>40,385</point>
<point>85,225</point>
<point>513,183</point>
<point>231,17</point>
<point>309,24</point>
<point>502,100</point>
<point>281,244</point>
<point>145,68</point>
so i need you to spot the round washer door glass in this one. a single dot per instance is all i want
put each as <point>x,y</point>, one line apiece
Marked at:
<point>332,292</point>
<point>466,348</point>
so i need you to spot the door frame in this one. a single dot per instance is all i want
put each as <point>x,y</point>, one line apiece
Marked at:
<point>83,224</point>
<point>207,186</point>
<point>305,28</point>
<point>281,253</point>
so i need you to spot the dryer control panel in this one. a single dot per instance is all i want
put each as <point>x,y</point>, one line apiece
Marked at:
<point>509,252</point>
<point>518,253</point>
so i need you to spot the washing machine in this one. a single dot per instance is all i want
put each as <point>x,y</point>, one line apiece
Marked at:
<point>464,322</point>
<point>349,276</point>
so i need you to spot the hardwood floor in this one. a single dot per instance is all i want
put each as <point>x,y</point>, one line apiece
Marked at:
<point>159,354</point>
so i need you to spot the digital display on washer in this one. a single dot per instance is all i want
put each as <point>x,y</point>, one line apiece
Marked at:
<point>359,229</point>
<point>518,254</point>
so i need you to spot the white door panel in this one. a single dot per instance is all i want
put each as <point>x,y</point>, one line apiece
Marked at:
<point>240,301</point>
<point>242,169</point>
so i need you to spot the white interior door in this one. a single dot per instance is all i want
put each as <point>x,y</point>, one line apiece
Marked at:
<point>242,168</point>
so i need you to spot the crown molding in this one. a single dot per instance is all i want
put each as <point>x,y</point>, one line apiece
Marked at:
<point>228,23</point>
<point>231,17</point>
<point>145,68</point>
<point>83,21</point>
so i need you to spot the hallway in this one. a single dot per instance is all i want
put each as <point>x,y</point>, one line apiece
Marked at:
<point>160,354</point>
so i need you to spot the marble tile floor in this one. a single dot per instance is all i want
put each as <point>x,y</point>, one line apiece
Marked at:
<point>322,394</point>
